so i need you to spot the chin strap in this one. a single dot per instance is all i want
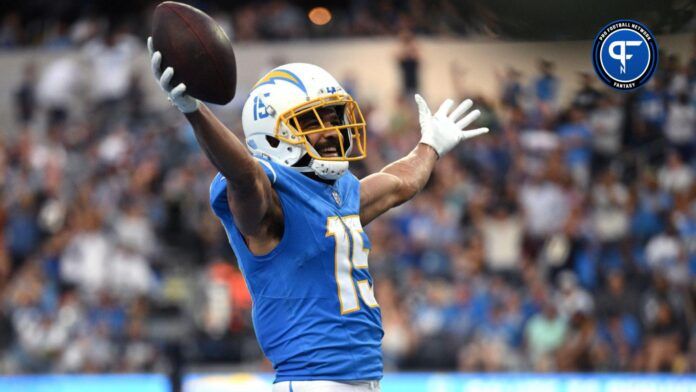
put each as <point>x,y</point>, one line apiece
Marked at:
<point>328,170</point>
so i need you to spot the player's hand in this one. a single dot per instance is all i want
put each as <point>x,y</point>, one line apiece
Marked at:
<point>443,131</point>
<point>177,95</point>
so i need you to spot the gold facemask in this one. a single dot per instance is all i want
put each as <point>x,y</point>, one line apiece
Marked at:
<point>353,127</point>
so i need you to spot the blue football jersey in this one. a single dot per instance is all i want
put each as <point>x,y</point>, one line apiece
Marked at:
<point>314,309</point>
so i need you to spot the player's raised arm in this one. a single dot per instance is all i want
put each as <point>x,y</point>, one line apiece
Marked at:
<point>403,179</point>
<point>250,195</point>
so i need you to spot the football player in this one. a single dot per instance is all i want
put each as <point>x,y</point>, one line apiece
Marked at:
<point>294,216</point>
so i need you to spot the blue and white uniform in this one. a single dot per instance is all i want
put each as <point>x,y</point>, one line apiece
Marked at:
<point>314,310</point>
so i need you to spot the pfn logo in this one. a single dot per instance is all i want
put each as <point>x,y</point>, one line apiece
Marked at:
<point>621,55</point>
<point>624,54</point>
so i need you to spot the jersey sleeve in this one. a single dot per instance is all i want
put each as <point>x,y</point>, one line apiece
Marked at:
<point>218,196</point>
<point>218,189</point>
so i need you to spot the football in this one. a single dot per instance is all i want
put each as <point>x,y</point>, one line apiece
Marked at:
<point>198,49</point>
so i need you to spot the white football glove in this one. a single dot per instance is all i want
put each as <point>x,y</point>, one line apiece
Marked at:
<point>177,95</point>
<point>442,131</point>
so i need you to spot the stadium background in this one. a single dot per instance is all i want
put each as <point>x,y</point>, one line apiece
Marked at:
<point>563,241</point>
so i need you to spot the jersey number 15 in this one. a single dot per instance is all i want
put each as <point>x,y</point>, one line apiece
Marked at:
<point>350,253</point>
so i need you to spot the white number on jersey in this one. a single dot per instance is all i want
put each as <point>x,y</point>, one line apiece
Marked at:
<point>346,231</point>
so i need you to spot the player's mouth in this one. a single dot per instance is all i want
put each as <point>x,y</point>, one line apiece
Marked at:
<point>329,152</point>
<point>329,148</point>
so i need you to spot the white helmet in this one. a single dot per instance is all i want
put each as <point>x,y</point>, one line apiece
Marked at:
<point>271,126</point>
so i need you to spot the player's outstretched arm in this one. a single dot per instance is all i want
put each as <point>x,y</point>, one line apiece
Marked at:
<point>403,179</point>
<point>253,202</point>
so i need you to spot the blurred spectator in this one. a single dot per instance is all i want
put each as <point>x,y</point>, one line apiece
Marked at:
<point>511,87</point>
<point>675,176</point>
<point>620,340</point>
<point>588,96</point>
<point>86,262</point>
<point>25,96</point>
<point>664,250</point>
<point>571,299</point>
<point>59,36</point>
<point>10,30</point>
<point>544,205</point>
<point>409,60</point>
<point>22,231</point>
<point>617,297</point>
<point>57,87</point>
<point>134,230</point>
<point>581,350</point>
<point>680,127</point>
<point>606,123</point>
<point>111,59</point>
<point>398,337</point>
<point>609,209</point>
<point>576,137</point>
<point>282,20</point>
<point>501,230</point>
<point>662,346</point>
<point>652,112</point>
<point>546,87</point>
<point>677,75</point>
<point>544,334</point>
<point>691,64</point>
<point>139,354</point>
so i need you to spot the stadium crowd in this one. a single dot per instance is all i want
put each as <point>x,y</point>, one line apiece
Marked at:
<point>564,240</point>
<point>65,23</point>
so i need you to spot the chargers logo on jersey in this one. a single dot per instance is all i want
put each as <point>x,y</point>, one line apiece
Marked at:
<point>625,54</point>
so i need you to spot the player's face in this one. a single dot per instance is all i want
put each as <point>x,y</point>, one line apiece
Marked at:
<point>327,144</point>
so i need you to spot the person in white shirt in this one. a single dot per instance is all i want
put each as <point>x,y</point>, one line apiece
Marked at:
<point>680,127</point>
<point>675,176</point>
<point>606,124</point>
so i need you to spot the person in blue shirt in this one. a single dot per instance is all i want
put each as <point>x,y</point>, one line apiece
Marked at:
<point>546,85</point>
<point>576,139</point>
<point>294,216</point>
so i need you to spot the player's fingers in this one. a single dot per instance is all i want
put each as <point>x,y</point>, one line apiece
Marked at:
<point>444,108</point>
<point>468,119</point>
<point>155,62</point>
<point>422,105</point>
<point>149,46</point>
<point>166,78</point>
<point>473,133</point>
<point>461,109</point>
<point>178,91</point>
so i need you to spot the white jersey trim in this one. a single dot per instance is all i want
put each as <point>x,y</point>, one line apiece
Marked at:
<point>268,165</point>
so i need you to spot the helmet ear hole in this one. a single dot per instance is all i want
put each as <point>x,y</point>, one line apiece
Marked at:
<point>272,141</point>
